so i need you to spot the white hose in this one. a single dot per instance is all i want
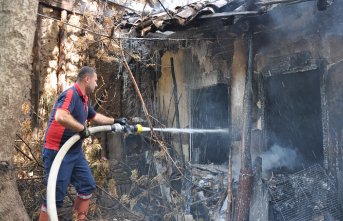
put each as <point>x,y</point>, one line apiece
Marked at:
<point>51,189</point>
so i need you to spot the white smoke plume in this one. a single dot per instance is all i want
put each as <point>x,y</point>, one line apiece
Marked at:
<point>275,157</point>
<point>278,156</point>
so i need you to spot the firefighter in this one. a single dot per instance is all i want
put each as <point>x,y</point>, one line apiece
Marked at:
<point>68,117</point>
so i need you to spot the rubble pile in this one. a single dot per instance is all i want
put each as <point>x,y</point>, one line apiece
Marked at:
<point>209,191</point>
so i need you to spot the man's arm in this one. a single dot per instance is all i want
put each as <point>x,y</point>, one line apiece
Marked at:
<point>67,120</point>
<point>102,119</point>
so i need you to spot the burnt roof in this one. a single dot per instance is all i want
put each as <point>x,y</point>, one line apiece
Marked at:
<point>194,14</point>
<point>182,16</point>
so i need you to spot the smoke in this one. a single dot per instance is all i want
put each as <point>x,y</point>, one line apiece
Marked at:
<point>278,156</point>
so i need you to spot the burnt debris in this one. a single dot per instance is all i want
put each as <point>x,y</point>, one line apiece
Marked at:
<point>309,194</point>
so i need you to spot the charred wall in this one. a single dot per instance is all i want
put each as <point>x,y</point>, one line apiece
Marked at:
<point>298,39</point>
<point>289,40</point>
<point>199,66</point>
<point>296,43</point>
<point>144,67</point>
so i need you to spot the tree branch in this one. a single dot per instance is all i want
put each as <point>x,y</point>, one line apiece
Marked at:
<point>28,146</point>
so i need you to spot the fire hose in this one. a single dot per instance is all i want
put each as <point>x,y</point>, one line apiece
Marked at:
<point>51,189</point>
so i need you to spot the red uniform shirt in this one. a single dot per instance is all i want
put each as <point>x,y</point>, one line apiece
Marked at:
<point>76,103</point>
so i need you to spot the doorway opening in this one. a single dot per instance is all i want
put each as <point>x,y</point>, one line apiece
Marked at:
<point>293,115</point>
<point>210,110</point>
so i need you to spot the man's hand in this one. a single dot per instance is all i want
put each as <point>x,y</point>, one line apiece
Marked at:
<point>84,133</point>
<point>122,121</point>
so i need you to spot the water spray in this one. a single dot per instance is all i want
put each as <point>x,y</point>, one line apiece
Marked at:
<point>186,130</point>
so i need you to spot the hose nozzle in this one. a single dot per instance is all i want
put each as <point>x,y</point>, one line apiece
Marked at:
<point>138,128</point>
<point>130,129</point>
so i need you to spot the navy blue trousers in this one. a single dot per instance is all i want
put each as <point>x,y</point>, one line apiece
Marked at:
<point>74,170</point>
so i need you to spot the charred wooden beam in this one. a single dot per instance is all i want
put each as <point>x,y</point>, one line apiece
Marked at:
<point>244,192</point>
<point>229,189</point>
<point>325,115</point>
<point>177,113</point>
<point>36,52</point>
<point>69,5</point>
<point>187,190</point>
<point>247,109</point>
<point>265,3</point>
<point>62,37</point>
<point>259,205</point>
<point>246,174</point>
<point>258,168</point>
<point>229,14</point>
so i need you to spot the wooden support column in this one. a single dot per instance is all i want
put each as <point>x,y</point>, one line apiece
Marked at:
<point>61,73</point>
<point>177,113</point>
<point>246,173</point>
<point>36,70</point>
<point>229,188</point>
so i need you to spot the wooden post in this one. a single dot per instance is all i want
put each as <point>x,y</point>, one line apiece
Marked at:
<point>177,113</point>
<point>61,74</point>
<point>246,173</point>
<point>229,188</point>
<point>36,70</point>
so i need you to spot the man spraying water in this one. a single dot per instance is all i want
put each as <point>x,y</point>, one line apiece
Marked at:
<point>68,117</point>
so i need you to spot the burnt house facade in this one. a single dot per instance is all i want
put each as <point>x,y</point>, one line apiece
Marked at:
<point>295,114</point>
<point>209,56</point>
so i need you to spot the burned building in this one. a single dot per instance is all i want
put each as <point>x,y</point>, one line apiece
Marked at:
<point>268,72</point>
<point>296,58</point>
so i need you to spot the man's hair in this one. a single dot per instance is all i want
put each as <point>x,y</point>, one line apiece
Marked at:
<point>85,71</point>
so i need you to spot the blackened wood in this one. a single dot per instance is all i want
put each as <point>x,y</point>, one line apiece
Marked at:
<point>246,176</point>
<point>62,38</point>
<point>229,189</point>
<point>229,14</point>
<point>177,113</point>
<point>247,109</point>
<point>36,65</point>
<point>244,192</point>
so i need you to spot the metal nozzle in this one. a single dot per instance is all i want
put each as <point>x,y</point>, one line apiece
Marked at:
<point>138,128</point>
<point>127,128</point>
<point>130,129</point>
